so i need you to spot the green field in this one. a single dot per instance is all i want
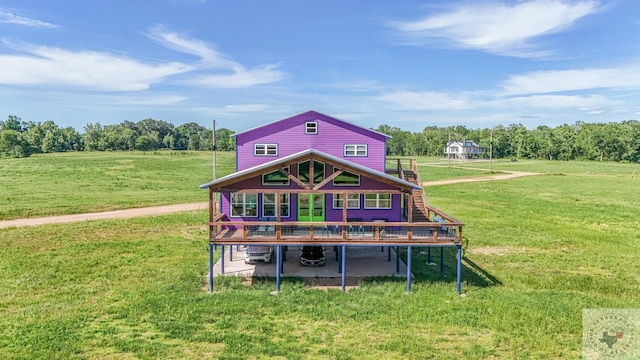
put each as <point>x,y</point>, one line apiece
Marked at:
<point>71,183</point>
<point>538,250</point>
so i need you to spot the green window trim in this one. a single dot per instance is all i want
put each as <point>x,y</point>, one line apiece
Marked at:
<point>276,178</point>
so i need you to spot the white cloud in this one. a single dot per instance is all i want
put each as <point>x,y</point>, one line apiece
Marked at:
<point>208,55</point>
<point>46,66</point>
<point>147,100</point>
<point>551,102</point>
<point>592,111</point>
<point>241,77</point>
<point>230,74</point>
<point>540,82</point>
<point>11,18</point>
<point>432,101</point>
<point>427,100</point>
<point>500,28</point>
<point>245,107</point>
<point>91,70</point>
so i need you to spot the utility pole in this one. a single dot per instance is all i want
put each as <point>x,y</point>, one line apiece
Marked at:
<point>214,149</point>
<point>215,204</point>
<point>491,152</point>
<point>449,152</point>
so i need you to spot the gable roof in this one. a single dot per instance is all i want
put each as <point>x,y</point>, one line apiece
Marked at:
<point>313,114</point>
<point>303,156</point>
<point>464,143</point>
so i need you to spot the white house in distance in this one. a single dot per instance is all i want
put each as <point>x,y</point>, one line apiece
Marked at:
<point>463,149</point>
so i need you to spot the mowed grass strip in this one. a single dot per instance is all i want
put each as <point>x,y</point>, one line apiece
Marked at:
<point>71,183</point>
<point>538,250</point>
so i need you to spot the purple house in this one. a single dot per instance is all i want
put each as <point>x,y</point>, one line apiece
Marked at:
<point>314,179</point>
<point>289,146</point>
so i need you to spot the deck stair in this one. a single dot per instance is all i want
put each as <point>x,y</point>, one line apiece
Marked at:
<point>419,211</point>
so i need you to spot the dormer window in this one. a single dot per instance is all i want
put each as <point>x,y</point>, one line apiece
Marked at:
<point>311,127</point>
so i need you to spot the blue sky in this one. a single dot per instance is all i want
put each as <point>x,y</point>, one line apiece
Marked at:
<point>409,64</point>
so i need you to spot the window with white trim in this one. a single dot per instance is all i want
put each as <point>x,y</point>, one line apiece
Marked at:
<point>346,179</point>
<point>353,201</point>
<point>244,205</point>
<point>355,150</point>
<point>276,177</point>
<point>311,127</point>
<point>377,201</point>
<point>269,205</point>
<point>265,149</point>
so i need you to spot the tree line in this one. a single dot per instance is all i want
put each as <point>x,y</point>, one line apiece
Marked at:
<point>19,138</point>
<point>581,141</point>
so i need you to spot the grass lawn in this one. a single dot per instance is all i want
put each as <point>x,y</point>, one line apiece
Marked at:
<point>71,183</point>
<point>538,250</point>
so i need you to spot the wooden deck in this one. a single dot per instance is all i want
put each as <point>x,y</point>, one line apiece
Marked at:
<point>334,233</point>
<point>423,225</point>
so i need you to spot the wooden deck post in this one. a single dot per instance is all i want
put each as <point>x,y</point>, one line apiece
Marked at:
<point>278,218</point>
<point>344,216</point>
<point>410,218</point>
<point>211,210</point>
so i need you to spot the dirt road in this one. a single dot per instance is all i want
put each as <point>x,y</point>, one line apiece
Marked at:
<point>117,214</point>
<point>168,209</point>
<point>510,175</point>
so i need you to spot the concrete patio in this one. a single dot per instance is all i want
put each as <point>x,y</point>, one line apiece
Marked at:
<point>362,261</point>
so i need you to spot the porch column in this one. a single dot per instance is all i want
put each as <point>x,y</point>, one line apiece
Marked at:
<point>211,210</point>
<point>410,217</point>
<point>344,216</point>
<point>211,206</point>
<point>459,278</point>
<point>442,259</point>
<point>278,218</point>
<point>282,259</point>
<point>408,269</point>
<point>210,267</point>
<point>221,259</point>
<point>343,264</point>
<point>278,268</point>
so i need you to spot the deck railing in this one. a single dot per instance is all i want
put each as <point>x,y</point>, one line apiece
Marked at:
<point>225,231</point>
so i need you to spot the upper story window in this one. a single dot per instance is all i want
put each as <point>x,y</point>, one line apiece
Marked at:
<point>276,177</point>
<point>355,150</point>
<point>311,127</point>
<point>346,179</point>
<point>265,149</point>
